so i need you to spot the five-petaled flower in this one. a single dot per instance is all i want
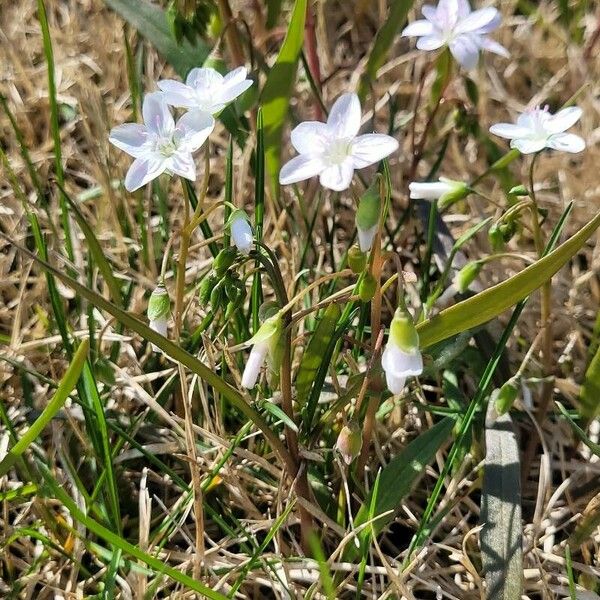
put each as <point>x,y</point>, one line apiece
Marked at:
<point>161,145</point>
<point>205,89</point>
<point>454,25</point>
<point>538,129</point>
<point>334,149</point>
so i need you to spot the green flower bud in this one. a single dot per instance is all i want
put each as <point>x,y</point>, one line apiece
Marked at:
<point>159,305</point>
<point>518,190</point>
<point>369,206</point>
<point>349,442</point>
<point>467,275</point>
<point>506,396</point>
<point>459,191</point>
<point>234,289</point>
<point>206,287</point>
<point>217,296</point>
<point>403,332</point>
<point>357,260</point>
<point>496,238</point>
<point>224,260</point>
<point>367,287</point>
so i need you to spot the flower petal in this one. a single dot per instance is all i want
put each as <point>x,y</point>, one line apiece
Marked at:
<point>477,20</point>
<point>447,14</point>
<point>395,384</point>
<point>429,190</point>
<point>176,93</point>
<point>430,42</point>
<point>490,45</point>
<point>300,168</point>
<point>418,28</point>
<point>529,146</point>
<point>241,234</point>
<point>234,84</point>
<point>157,116</point>
<point>465,50</point>
<point>129,137</point>
<point>143,170</point>
<point>204,78</point>
<point>430,13</point>
<point>567,142</point>
<point>400,363</point>
<point>509,131</point>
<point>371,148</point>
<point>254,364</point>
<point>366,236</point>
<point>464,8</point>
<point>182,164</point>
<point>310,137</point>
<point>193,129</point>
<point>338,177</point>
<point>344,118</point>
<point>563,119</point>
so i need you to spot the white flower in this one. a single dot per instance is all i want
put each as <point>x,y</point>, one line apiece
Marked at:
<point>265,343</point>
<point>401,358</point>
<point>160,145</point>
<point>538,129</point>
<point>333,150</point>
<point>206,89</point>
<point>453,24</point>
<point>432,190</point>
<point>241,232</point>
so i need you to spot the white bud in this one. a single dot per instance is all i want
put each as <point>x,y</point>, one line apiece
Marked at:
<point>257,357</point>
<point>241,232</point>
<point>366,237</point>
<point>160,326</point>
<point>265,345</point>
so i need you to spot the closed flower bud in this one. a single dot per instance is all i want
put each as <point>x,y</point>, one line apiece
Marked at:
<point>518,190</point>
<point>217,295</point>
<point>460,190</point>
<point>506,396</point>
<point>357,260</point>
<point>496,238</point>
<point>241,232</point>
<point>401,358</point>
<point>264,346</point>
<point>159,308</point>
<point>467,275</point>
<point>234,289</point>
<point>368,214</point>
<point>349,442</point>
<point>206,287</point>
<point>446,191</point>
<point>224,260</point>
<point>367,287</point>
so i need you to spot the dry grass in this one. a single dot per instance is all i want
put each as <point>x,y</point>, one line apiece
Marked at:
<point>92,86</point>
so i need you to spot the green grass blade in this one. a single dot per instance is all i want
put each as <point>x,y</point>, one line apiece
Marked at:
<point>579,432</point>
<point>493,301</point>
<point>275,97</point>
<point>502,534</point>
<point>228,193</point>
<point>589,396</point>
<point>65,387</point>
<point>96,528</point>
<point>259,214</point>
<point>55,127</point>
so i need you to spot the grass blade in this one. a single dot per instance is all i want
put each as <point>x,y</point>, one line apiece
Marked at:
<point>65,387</point>
<point>259,214</point>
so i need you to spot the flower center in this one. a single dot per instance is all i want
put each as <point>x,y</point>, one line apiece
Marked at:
<point>167,148</point>
<point>339,150</point>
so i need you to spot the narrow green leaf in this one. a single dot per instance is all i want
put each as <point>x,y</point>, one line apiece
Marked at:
<point>490,303</point>
<point>275,97</point>
<point>315,352</point>
<point>589,396</point>
<point>579,432</point>
<point>397,479</point>
<point>65,387</point>
<point>259,213</point>
<point>278,413</point>
<point>151,22</point>
<point>383,42</point>
<point>502,532</point>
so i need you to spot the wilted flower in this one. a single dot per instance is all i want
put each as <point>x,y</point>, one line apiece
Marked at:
<point>159,308</point>
<point>265,343</point>
<point>205,89</point>
<point>333,150</point>
<point>241,231</point>
<point>160,145</point>
<point>349,442</point>
<point>446,190</point>
<point>401,358</point>
<point>454,25</point>
<point>538,129</point>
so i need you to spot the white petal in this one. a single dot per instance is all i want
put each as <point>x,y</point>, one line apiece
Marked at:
<point>366,237</point>
<point>529,146</point>
<point>567,142</point>
<point>492,46</point>
<point>338,177</point>
<point>399,363</point>
<point>429,190</point>
<point>234,84</point>
<point>176,93</point>
<point>160,326</point>
<point>157,116</point>
<point>509,131</point>
<point>447,14</point>
<point>563,119</point>
<point>204,78</point>
<point>429,12</point>
<point>193,129</point>
<point>418,28</point>
<point>129,137</point>
<point>241,234</point>
<point>254,364</point>
<point>300,168</point>
<point>141,171</point>
<point>430,42</point>
<point>465,51</point>
<point>344,118</point>
<point>310,137</point>
<point>371,148</point>
<point>395,384</point>
<point>182,163</point>
<point>464,8</point>
<point>477,20</point>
